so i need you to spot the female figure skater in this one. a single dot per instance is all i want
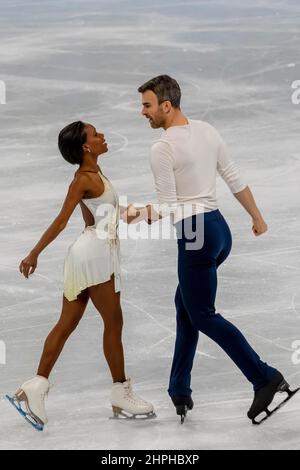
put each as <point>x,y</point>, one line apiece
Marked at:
<point>91,271</point>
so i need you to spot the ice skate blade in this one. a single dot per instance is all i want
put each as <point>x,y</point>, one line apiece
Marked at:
<point>38,426</point>
<point>269,413</point>
<point>182,410</point>
<point>119,413</point>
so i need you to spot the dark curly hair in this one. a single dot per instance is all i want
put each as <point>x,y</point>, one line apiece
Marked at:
<point>70,141</point>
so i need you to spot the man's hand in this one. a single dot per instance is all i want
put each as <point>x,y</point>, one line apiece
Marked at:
<point>259,226</point>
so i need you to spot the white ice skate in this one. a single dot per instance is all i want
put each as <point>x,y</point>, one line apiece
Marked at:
<point>126,404</point>
<point>32,393</point>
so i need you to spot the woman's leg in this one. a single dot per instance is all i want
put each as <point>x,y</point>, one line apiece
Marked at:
<point>70,316</point>
<point>107,302</point>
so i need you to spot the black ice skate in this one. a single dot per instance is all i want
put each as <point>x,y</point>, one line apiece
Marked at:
<point>264,396</point>
<point>182,405</point>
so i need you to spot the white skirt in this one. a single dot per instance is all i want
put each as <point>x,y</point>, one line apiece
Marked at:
<point>91,260</point>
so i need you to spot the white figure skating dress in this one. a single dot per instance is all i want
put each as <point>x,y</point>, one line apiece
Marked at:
<point>95,255</point>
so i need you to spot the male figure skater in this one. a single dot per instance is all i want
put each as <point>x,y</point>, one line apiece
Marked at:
<point>184,163</point>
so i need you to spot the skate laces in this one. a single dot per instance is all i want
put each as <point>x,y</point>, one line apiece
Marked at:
<point>132,395</point>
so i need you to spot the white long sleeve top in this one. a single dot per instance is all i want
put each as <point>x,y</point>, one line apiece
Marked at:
<point>185,162</point>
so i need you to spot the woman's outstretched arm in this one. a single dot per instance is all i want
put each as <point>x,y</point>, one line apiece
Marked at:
<point>75,193</point>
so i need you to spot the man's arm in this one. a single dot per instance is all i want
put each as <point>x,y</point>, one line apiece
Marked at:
<point>228,169</point>
<point>231,175</point>
<point>246,199</point>
<point>161,162</point>
<point>162,166</point>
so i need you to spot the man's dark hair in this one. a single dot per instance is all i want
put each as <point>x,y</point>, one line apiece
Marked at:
<point>70,141</point>
<point>166,89</point>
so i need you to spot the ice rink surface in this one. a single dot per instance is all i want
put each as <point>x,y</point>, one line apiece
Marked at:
<point>235,61</point>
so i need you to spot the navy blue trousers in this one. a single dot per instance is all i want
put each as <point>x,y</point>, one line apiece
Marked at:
<point>195,306</point>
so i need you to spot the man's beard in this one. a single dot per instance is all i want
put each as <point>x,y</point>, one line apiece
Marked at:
<point>157,123</point>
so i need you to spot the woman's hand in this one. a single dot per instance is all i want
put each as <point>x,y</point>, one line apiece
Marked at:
<point>259,226</point>
<point>28,265</point>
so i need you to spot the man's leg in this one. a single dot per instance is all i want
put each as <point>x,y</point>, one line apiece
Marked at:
<point>185,348</point>
<point>198,284</point>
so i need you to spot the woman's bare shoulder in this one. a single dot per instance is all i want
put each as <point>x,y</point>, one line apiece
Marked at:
<point>80,181</point>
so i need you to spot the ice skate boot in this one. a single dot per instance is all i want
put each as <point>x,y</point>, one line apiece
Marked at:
<point>126,404</point>
<point>182,405</point>
<point>32,393</point>
<point>264,397</point>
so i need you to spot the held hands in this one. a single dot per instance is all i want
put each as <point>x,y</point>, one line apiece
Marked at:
<point>259,226</point>
<point>133,215</point>
<point>28,265</point>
